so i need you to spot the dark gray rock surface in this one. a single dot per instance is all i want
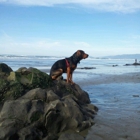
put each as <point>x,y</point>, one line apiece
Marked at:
<point>33,107</point>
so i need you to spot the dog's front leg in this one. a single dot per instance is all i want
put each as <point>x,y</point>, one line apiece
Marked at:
<point>71,78</point>
<point>68,74</point>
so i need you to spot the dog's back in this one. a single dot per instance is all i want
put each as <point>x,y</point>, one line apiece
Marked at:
<point>60,64</point>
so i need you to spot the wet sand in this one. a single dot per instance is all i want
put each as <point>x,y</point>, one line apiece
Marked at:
<point>118,99</point>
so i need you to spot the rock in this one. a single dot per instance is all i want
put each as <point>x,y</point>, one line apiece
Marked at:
<point>91,107</point>
<point>31,78</point>
<point>34,107</point>
<point>135,95</point>
<point>14,91</point>
<point>4,84</point>
<point>3,87</point>
<point>68,114</point>
<point>51,96</point>
<point>87,68</point>
<point>36,93</point>
<point>17,114</point>
<point>8,129</point>
<point>10,90</point>
<point>16,109</point>
<point>64,115</point>
<point>73,136</point>
<point>63,89</point>
<point>51,137</point>
<point>21,81</point>
<point>128,65</point>
<point>81,94</point>
<point>13,117</point>
<point>5,69</point>
<point>114,65</point>
<point>30,133</point>
<point>55,117</point>
<point>22,70</point>
<point>134,64</point>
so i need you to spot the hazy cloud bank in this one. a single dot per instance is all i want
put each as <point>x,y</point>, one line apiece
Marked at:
<point>125,6</point>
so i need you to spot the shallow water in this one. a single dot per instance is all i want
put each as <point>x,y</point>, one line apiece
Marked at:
<point>119,111</point>
<point>115,95</point>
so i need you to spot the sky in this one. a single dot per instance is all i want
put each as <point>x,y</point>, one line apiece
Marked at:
<point>61,27</point>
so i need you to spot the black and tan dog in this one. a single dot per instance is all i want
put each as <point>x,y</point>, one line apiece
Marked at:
<point>67,65</point>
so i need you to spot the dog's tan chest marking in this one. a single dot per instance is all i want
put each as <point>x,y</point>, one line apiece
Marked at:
<point>73,67</point>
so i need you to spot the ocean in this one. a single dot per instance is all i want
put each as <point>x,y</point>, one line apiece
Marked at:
<point>100,65</point>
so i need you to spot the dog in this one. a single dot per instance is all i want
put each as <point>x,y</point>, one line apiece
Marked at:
<point>67,65</point>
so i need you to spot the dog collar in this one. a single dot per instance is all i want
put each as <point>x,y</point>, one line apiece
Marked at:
<point>67,63</point>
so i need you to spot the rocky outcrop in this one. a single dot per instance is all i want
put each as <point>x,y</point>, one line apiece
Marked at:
<point>33,107</point>
<point>87,68</point>
<point>134,64</point>
<point>114,65</point>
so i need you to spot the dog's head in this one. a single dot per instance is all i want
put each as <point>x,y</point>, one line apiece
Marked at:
<point>79,55</point>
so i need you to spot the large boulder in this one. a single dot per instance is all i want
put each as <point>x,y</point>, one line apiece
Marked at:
<point>34,107</point>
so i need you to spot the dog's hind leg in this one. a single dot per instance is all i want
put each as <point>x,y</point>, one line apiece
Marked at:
<point>56,74</point>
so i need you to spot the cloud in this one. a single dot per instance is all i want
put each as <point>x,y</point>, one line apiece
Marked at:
<point>50,47</point>
<point>102,5</point>
<point>10,45</point>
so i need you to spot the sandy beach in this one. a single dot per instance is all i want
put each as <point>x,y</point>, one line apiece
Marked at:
<point>118,99</point>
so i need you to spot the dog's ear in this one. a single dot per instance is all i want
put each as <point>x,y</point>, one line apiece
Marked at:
<point>78,53</point>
